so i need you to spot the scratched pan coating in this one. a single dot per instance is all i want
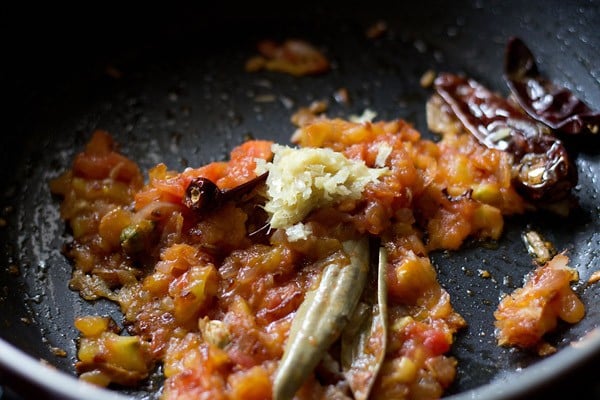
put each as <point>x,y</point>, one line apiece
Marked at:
<point>170,86</point>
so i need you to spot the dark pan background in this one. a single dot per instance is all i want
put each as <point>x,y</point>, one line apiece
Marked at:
<point>183,98</point>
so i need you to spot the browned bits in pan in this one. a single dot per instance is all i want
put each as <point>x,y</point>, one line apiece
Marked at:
<point>293,56</point>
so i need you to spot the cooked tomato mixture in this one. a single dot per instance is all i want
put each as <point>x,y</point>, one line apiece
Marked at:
<point>525,316</point>
<point>240,277</point>
<point>293,56</point>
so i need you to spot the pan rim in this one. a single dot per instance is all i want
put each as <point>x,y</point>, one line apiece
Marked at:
<point>39,377</point>
<point>35,376</point>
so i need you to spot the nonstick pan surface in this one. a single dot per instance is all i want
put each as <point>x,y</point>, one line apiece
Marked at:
<point>170,85</point>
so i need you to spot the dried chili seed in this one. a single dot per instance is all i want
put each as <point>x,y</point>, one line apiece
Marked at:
<point>201,195</point>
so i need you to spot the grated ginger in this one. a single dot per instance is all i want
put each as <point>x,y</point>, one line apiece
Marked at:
<point>301,180</point>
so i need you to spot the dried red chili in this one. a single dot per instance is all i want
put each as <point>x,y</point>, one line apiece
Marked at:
<point>543,100</point>
<point>203,195</point>
<point>542,167</point>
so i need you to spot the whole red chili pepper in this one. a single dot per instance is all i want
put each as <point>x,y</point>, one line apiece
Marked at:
<point>543,100</point>
<point>542,168</point>
<point>203,195</point>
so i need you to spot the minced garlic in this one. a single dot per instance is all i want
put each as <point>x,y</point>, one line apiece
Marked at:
<point>298,231</point>
<point>301,180</point>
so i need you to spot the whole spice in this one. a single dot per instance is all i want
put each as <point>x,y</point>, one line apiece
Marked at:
<point>322,316</point>
<point>364,340</point>
<point>542,167</point>
<point>551,104</point>
<point>203,195</point>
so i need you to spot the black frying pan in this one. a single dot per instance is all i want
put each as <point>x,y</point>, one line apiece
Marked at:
<point>169,84</point>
